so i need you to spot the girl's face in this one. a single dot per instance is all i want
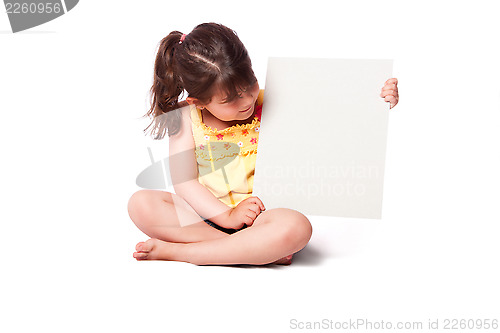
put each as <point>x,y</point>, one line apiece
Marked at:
<point>240,108</point>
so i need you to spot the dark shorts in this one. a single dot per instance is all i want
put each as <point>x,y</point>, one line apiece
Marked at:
<point>227,231</point>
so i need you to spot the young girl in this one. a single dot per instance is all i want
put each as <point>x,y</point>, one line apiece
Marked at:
<point>213,135</point>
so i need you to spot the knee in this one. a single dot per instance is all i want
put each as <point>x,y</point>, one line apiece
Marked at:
<point>139,205</point>
<point>297,230</point>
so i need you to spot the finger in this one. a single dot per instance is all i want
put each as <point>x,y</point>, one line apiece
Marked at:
<point>258,202</point>
<point>392,100</point>
<point>251,214</point>
<point>392,80</point>
<point>390,87</point>
<point>254,208</point>
<point>394,104</point>
<point>249,220</point>
<point>249,224</point>
<point>385,93</point>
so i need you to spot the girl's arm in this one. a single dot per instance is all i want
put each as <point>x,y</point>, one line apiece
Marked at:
<point>184,173</point>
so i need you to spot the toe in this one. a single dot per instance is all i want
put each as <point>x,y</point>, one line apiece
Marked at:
<point>144,246</point>
<point>138,247</point>
<point>140,255</point>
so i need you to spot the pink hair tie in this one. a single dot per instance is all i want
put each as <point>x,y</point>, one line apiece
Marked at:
<point>182,38</point>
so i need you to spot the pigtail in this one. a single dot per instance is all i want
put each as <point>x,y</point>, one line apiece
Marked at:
<point>166,89</point>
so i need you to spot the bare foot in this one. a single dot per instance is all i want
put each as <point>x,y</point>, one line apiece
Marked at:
<point>152,249</point>
<point>284,261</point>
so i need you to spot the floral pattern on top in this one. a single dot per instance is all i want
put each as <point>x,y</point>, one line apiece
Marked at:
<point>246,136</point>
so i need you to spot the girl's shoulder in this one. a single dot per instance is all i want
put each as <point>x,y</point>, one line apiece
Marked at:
<point>183,140</point>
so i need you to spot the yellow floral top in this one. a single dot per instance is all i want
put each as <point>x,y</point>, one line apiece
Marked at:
<point>226,158</point>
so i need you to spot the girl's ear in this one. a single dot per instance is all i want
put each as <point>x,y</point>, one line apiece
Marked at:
<point>192,100</point>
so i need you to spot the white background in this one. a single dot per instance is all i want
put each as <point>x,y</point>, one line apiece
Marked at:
<point>71,95</point>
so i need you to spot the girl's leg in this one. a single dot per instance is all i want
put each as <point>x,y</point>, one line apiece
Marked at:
<point>168,217</point>
<point>274,234</point>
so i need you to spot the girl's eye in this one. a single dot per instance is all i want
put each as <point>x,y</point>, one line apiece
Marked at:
<point>228,102</point>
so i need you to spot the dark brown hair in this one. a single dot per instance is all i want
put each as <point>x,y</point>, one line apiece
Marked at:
<point>210,59</point>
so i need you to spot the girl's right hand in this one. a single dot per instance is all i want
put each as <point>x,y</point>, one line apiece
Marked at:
<point>245,213</point>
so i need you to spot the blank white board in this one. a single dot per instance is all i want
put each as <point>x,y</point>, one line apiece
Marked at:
<point>323,136</point>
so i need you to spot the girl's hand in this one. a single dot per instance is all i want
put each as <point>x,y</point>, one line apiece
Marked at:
<point>245,213</point>
<point>390,92</point>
